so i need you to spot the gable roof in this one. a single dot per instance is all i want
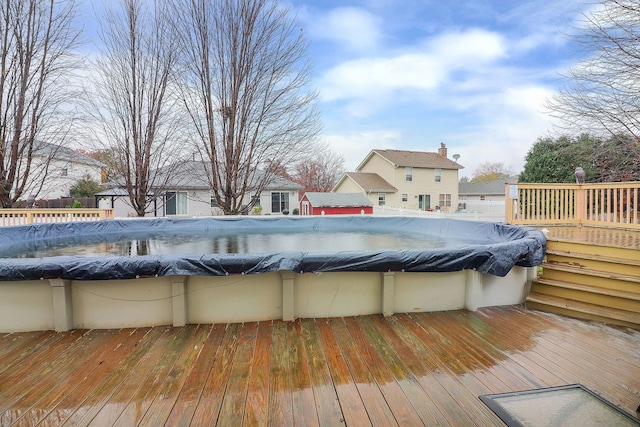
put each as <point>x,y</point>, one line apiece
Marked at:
<point>417,159</point>
<point>60,152</point>
<point>369,182</point>
<point>337,199</point>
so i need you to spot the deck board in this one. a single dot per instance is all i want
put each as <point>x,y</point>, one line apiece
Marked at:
<point>73,382</point>
<point>213,390</point>
<point>434,403</point>
<point>280,397</point>
<point>95,399</point>
<point>256,413</point>
<point>603,236</point>
<point>406,369</point>
<point>394,392</point>
<point>372,398</point>
<point>232,409</point>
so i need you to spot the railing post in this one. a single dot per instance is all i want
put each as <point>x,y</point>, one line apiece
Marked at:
<point>511,195</point>
<point>581,204</point>
<point>508,205</point>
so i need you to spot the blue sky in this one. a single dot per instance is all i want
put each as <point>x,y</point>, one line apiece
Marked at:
<point>414,73</point>
<point>411,74</point>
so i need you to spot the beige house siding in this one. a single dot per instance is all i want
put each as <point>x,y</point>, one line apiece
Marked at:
<point>348,186</point>
<point>382,167</point>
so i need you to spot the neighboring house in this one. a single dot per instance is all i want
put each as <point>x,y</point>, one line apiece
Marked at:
<point>314,203</point>
<point>406,179</point>
<point>186,192</point>
<point>490,191</point>
<point>55,169</point>
<point>487,198</point>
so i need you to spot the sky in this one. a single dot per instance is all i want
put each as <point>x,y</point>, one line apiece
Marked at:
<point>412,74</point>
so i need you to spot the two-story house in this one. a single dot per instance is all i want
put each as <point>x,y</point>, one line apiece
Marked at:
<point>55,169</point>
<point>405,179</point>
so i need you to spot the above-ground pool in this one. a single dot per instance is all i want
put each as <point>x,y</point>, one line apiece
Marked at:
<point>175,271</point>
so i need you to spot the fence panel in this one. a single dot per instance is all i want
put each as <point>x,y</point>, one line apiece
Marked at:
<point>10,217</point>
<point>608,204</point>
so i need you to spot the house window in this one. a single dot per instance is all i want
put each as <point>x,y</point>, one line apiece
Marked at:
<point>438,175</point>
<point>64,172</point>
<point>445,200</point>
<point>214,202</point>
<point>176,203</point>
<point>405,197</point>
<point>279,202</point>
<point>382,199</point>
<point>408,174</point>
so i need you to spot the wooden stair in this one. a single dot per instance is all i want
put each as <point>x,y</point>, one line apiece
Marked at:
<point>589,281</point>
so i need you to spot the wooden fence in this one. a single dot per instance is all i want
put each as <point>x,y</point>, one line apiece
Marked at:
<point>606,205</point>
<point>62,202</point>
<point>9,217</point>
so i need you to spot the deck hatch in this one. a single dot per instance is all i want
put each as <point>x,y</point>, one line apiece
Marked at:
<point>570,405</point>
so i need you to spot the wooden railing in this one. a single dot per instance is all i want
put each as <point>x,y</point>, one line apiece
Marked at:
<point>608,204</point>
<point>10,217</point>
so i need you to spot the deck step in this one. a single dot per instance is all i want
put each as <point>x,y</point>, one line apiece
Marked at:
<point>594,257</point>
<point>611,265</point>
<point>582,310</point>
<point>590,273</point>
<point>585,249</point>
<point>592,260</point>
<point>585,288</point>
<point>551,267</point>
<point>598,295</point>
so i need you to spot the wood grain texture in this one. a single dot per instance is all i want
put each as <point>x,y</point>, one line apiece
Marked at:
<point>406,369</point>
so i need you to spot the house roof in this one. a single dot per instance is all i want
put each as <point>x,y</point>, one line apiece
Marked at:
<point>369,182</point>
<point>114,191</point>
<point>60,152</point>
<point>281,183</point>
<point>193,175</point>
<point>486,188</point>
<point>337,199</point>
<point>417,159</point>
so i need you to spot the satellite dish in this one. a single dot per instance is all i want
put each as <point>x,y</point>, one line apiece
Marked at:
<point>456,157</point>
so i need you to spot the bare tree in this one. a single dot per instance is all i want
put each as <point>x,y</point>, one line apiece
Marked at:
<point>37,40</point>
<point>138,115</point>
<point>490,171</point>
<point>246,79</point>
<point>601,95</point>
<point>319,172</point>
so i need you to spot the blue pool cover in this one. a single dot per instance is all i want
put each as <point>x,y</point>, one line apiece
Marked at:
<point>487,247</point>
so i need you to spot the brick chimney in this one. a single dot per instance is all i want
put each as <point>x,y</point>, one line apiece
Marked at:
<point>442,151</point>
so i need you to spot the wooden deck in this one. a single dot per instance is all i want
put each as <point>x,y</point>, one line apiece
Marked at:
<point>602,236</point>
<point>417,369</point>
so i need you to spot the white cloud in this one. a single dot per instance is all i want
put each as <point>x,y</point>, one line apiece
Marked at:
<point>508,124</point>
<point>350,27</point>
<point>424,67</point>
<point>354,145</point>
